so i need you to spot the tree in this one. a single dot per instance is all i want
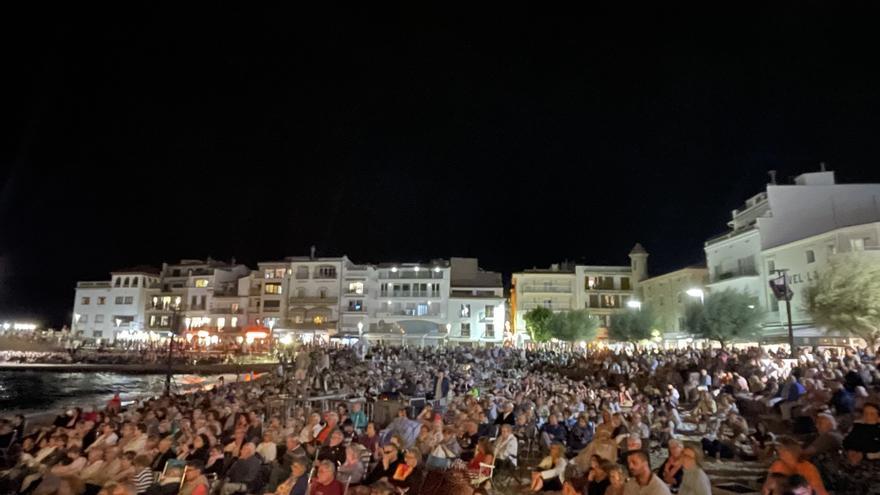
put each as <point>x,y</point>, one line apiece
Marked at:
<point>573,326</point>
<point>846,298</point>
<point>725,316</point>
<point>536,324</point>
<point>632,326</point>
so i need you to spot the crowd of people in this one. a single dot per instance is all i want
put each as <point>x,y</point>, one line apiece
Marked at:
<point>463,420</point>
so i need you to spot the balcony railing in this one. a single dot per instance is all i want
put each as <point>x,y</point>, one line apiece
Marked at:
<point>313,300</point>
<point>408,312</point>
<point>92,285</point>
<point>545,288</point>
<point>414,293</point>
<point>227,311</point>
<point>408,274</point>
<point>738,272</point>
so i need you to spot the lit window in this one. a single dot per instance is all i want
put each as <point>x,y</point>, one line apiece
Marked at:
<point>233,321</point>
<point>356,288</point>
<point>102,300</point>
<point>857,244</point>
<point>465,310</point>
<point>85,301</point>
<point>279,272</point>
<point>811,256</point>
<point>221,322</point>
<point>318,320</point>
<point>272,288</point>
<point>201,283</point>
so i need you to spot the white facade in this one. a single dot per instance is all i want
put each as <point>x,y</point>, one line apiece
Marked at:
<point>103,309</point>
<point>796,227</point>
<point>553,288</point>
<point>602,290</point>
<point>188,288</point>
<point>667,296</point>
<point>476,303</point>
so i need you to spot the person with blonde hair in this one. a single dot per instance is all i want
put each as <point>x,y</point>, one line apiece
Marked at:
<point>551,471</point>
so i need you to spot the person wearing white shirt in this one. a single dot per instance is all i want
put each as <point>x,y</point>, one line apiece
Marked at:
<point>107,438</point>
<point>506,446</point>
<point>551,471</point>
<point>267,448</point>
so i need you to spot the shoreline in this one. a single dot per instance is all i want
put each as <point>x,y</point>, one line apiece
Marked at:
<point>143,369</point>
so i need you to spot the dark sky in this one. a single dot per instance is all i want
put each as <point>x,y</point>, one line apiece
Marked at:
<point>522,137</point>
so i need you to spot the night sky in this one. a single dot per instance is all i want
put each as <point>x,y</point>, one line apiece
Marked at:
<point>522,137</point>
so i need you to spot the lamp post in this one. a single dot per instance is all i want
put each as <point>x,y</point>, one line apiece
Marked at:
<point>786,294</point>
<point>697,293</point>
<point>175,314</point>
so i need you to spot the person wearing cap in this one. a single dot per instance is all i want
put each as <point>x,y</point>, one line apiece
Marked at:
<point>194,480</point>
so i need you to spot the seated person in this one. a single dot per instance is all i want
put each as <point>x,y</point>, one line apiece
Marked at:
<point>790,463</point>
<point>550,473</point>
<point>553,432</point>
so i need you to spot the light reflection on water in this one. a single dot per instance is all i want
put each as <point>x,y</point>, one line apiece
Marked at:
<point>32,391</point>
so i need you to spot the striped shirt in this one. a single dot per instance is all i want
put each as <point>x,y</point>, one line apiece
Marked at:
<point>142,480</point>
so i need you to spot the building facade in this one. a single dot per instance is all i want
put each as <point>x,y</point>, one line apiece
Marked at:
<point>105,309</point>
<point>601,290</point>
<point>798,228</point>
<point>667,295</point>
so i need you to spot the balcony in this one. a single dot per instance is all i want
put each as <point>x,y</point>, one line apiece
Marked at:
<point>327,325</point>
<point>413,293</point>
<point>545,289</point>
<point>735,273</point>
<point>93,285</point>
<point>312,300</point>
<point>226,311</point>
<point>411,275</point>
<point>408,312</point>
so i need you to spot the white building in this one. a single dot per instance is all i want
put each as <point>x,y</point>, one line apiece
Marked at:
<point>667,296</point>
<point>602,290</point>
<point>552,288</point>
<point>796,227</point>
<point>313,295</point>
<point>476,303</point>
<point>103,309</point>
<point>186,291</point>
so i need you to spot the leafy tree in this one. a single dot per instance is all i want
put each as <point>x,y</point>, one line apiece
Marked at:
<point>573,326</point>
<point>725,316</point>
<point>632,326</point>
<point>846,298</point>
<point>536,324</point>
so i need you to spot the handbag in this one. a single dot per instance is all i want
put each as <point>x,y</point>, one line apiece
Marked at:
<point>439,459</point>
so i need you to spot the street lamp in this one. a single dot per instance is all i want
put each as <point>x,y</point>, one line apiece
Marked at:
<point>696,293</point>
<point>76,317</point>
<point>360,326</point>
<point>633,304</point>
